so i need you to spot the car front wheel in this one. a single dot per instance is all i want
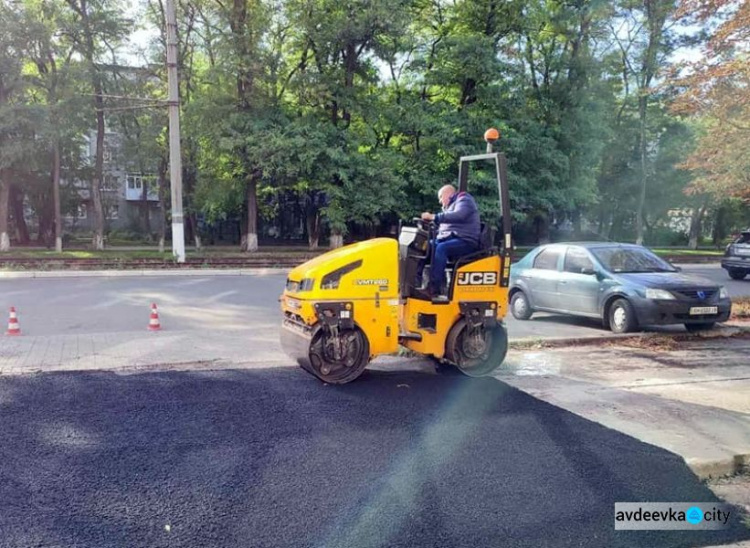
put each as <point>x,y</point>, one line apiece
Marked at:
<point>622,317</point>
<point>737,273</point>
<point>520,307</point>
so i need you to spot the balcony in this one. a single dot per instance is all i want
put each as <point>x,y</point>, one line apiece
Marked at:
<point>135,185</point>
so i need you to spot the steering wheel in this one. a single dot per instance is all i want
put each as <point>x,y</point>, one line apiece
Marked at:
<point>422,224</point>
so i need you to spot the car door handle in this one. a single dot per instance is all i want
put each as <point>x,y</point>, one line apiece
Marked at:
<point>563,282</point>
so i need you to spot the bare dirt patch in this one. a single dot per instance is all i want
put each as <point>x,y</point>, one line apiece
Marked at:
<point>741,308</point>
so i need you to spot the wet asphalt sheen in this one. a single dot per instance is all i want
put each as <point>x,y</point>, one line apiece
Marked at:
<point>271,457</point>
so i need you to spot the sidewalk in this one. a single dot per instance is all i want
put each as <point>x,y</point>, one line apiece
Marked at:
<point>141,350</point>
<point>9,274</point>
<point>694,401</point>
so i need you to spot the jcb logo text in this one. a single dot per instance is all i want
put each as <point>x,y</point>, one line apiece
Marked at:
<point>477,278</point>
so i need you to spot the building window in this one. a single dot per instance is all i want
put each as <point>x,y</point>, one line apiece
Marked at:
<point>107,153</point>
<point>111,183</point>
<point>83,211</point>
<point>113,212</point>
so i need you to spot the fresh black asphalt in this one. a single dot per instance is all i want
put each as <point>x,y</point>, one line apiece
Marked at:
<point>272,457</point>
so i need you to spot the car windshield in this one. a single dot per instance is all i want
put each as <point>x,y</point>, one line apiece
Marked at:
<point>630,259</point>
<point>744,238</point>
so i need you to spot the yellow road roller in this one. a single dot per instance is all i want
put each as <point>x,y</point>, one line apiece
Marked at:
<point>345,307</point>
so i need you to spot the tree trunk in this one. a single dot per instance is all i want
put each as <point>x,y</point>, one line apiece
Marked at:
<point>56,195</point>
<point>717,234</point>
<point>96,82</point>
<point>696,225</point>
<point>656,15</point>
<point>312,218</point>
<point>15,198</point>
<point>245,81</point>
<point>337,239</point>
<point>196,232</point>
<point>251,241</point>
<point>576,220</point>
<point>95,188</point>
<point>542,228</point>
<point>243,224</point>
<point>614,225</point>
<point>163,202</point>
<point>641,213</point>
<point>46,229</point>
<point>145,210</point>
<point>191,229</point>
<point>4,197</point>
<point>602,217</point>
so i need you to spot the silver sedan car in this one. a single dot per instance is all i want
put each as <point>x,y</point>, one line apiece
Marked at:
<point>624,285</point>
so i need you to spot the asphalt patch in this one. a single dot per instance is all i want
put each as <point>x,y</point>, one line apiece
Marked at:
<point>273,457</point>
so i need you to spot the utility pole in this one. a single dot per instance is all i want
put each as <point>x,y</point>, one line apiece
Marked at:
<point>175,158</point>
<point>56,195</point>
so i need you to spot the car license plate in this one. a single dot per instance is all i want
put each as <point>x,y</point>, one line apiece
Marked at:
<point>700,310</point>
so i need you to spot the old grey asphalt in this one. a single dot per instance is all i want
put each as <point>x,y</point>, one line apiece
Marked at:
<point>62,306</point>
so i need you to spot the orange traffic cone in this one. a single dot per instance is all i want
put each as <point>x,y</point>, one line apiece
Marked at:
<point>14,328</point>
<point>153,323</point>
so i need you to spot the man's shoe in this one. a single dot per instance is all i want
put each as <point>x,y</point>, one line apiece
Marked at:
<point>440,299</point>
<point>424,294</point>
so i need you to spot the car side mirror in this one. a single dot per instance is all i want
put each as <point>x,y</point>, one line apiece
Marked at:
<point>588,271</point>
<point>677,268</point>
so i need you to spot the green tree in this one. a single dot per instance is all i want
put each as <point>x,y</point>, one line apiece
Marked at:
<point>19,121</point>
<point>53,74</point>
<point>335,82</point>
<point>96,27</point>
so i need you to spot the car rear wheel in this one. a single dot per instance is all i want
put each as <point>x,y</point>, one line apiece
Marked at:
<point>520,307</point>
<point>693,327</point>
<point>737,273</point>
<point>622,317</point>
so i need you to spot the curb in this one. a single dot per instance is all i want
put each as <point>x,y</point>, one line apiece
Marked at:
<point>712,469</point>
<point>691,261</point>
<point>561,342</point>
<point>554,342</point>
<point>10,274</point>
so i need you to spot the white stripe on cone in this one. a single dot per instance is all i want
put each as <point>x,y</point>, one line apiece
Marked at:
<point>14,328</point>
<point>153,323</point>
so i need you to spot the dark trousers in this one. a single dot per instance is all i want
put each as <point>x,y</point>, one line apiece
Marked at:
<point>448,249</point>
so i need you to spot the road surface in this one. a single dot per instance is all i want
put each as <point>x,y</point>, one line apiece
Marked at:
<point>271,458</point>
<point>267,456</point>
<point>229,304</point>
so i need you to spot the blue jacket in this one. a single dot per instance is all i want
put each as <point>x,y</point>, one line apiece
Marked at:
<point>460,219</point>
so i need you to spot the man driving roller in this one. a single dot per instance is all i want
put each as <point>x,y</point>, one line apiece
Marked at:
<point>458,233</point>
